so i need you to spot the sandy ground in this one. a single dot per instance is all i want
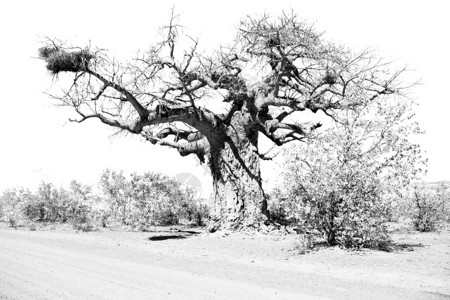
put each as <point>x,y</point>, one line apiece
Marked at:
<point>63,264</point>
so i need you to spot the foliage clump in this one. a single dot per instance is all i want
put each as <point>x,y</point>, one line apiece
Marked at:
<point>59,60</point>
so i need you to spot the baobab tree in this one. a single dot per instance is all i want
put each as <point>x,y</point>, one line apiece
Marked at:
<point>275,69</point>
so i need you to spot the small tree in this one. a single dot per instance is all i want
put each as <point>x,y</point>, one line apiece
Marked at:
<point>345,181</point>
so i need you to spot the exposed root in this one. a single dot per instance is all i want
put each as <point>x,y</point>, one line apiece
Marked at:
<point>264,227</point>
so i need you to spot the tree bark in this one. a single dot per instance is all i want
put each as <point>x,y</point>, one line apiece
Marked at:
<point>235,167</point>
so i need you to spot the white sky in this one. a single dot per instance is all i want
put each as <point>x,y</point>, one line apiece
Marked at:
<point>37,143</point>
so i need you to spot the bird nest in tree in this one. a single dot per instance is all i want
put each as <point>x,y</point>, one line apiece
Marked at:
<point>59,60</point>
<point>330,78</point>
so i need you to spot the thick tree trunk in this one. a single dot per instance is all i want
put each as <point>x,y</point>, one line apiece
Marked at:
<point>239,197</point>
<point>235,166</point>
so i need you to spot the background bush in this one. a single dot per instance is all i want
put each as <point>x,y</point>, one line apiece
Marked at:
<point>430,206</point>
<point>138,201</point>
<point>12,205</point>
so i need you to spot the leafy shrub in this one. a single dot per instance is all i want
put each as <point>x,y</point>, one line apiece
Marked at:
<point>343,180</point>
<point>51,204</point>
<point>12,203</point>
<point>156,199</point>
<point>48,204</point>
<point>83,219</point>
<point>149,199</point>
<point>428,208</point>
<point>353,220</point>
<point>116,190</point>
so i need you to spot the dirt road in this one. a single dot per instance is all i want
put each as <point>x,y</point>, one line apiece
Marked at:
<point>125,265</point>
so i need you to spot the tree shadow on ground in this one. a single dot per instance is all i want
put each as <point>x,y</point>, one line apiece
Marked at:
<point>166,237</point>
<point>180,234</point>
<point>438,295</point>
<point>387,247</point>
<point>173,230</point>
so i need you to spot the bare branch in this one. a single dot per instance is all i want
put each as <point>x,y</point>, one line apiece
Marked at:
<point>179,134</point>
<point>143,113</point>
<point>199,147</point>
<point>280,62</point>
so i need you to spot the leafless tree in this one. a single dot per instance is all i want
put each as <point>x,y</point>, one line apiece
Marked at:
<point>276,68</point>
